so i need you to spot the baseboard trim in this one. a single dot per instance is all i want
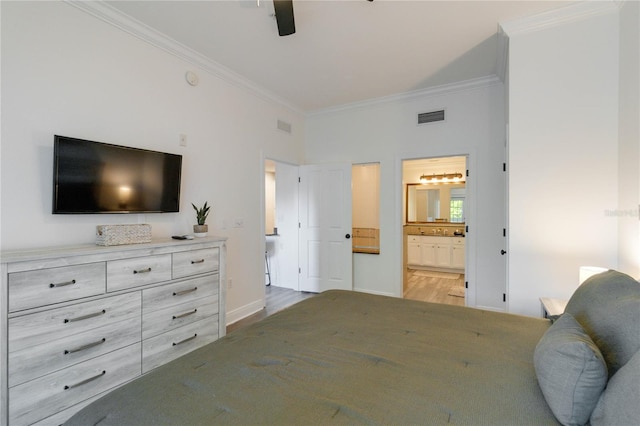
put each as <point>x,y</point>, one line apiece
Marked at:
<point>489,308</point>
<point>379,293</point>
<point>244,311</point>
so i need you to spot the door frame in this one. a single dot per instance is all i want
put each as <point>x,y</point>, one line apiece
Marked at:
<point>265,158</point>
<point>262,229</point>
<point>470,214</point>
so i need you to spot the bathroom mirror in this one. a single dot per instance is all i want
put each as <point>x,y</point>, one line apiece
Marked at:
<point>432,203</point>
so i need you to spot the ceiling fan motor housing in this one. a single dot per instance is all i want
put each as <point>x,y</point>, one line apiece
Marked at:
<point>284,17</point>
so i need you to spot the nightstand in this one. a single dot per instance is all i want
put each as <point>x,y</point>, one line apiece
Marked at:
<point>552,308</point>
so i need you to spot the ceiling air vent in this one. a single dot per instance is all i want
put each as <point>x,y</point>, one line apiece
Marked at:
<point>430,117</point>
<point>284,126</point>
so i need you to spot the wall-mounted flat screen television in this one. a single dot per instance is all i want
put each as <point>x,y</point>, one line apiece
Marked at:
<point>94,177</point>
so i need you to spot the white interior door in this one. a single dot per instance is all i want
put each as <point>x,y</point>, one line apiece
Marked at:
<point>284,262</point>
<point>325,228</point>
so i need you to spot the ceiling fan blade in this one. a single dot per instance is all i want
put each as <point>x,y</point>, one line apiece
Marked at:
<point>284,17</point>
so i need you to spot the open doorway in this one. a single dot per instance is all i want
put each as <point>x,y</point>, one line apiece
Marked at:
<point>281,224</point>
<point>434,249</point>
<point>308,228</point>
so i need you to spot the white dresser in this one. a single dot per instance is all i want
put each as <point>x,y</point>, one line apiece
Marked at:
<point>79,321</point>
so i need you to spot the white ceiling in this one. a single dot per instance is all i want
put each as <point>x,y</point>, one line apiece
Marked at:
<point>343,51</point>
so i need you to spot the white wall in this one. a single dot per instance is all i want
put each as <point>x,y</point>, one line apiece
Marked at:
<point>628,215</point>
<point>66,72</point>
<point>365,195</point>
<point>563,154</point>
<point>386,132</point>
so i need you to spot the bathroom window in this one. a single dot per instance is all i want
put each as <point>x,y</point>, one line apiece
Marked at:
<point>457,210</point>
<point>456,205</point>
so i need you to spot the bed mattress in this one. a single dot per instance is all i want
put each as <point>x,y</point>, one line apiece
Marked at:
<point>346,358</point>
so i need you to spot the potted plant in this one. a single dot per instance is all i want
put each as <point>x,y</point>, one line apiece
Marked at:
<point>201,229</point>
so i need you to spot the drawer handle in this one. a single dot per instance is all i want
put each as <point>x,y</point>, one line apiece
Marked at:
<point>197,261</point>
<point>53,285</point>
<point>84,317</point>
<point>141,271</point>
<point>85,381</point>
<point>186,314</point>
<point>185,340</point>
<point>183,292</point>
<point>87,346</point>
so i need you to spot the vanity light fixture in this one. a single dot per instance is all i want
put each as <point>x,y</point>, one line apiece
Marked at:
<point>441,178</point>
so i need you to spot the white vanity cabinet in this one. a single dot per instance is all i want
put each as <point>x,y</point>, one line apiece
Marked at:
<point>80,321</point>
<point>443,251</point>
<point>457,253</point>
<point>421,251</point>
<point>414,250</point>
<point>435,252</point>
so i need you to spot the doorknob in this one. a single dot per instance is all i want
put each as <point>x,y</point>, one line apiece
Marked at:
<point>347,236</point>
<point>502,252</point>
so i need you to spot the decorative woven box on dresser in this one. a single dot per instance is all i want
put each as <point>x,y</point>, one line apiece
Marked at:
<point>114,235</point>
<point>79,321</point>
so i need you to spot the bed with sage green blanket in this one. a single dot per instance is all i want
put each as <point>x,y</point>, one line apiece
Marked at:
<point>347,358</point>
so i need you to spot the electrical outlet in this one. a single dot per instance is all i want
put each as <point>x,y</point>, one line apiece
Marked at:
<point>183,139</point>
<point>229,283</point>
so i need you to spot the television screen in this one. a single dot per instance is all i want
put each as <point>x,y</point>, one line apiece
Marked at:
<point>94,177</point>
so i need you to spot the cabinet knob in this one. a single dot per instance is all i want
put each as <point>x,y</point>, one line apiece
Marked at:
<point>347,236</point>
<point>503,252</point>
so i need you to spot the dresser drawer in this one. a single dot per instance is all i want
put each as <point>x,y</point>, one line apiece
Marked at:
<point>41,287</point>
<point>194,262</point>
<point>59,418</point>
<point>173,294</point>
<point>128,273</point>
<point>33,362</point>
<point>175,343</point>
<point>52,393</point>
<point>44,342</point>
<point>42,327</point>
<point>163,320</point>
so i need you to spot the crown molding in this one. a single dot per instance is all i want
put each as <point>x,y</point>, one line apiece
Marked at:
<point>571,13</point>
<point>620,3</point>
<point>126,23</point>
<point>502,54</point>
<point>444,89</point>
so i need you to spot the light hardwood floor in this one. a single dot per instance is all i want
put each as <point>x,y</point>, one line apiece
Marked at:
<point>434,287</point>
<point>426,288</point>
<point>278,298</point>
